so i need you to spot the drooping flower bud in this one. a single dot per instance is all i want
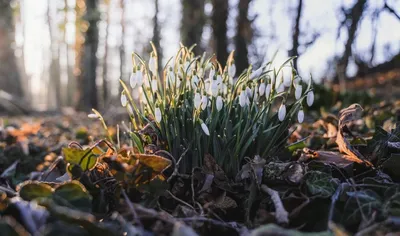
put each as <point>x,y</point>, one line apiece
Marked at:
<point>310,98</point>
<point>153,65</point>
<point>139,78</point>
<point>197,100</point>
<point>256,74</point>
<point>132,80</point>
<point>261,89</point>
<point>154,85</point>
<point>157,114</point>
<point>232,70</point>
<point>204,102</point>
<point>267,91</point>
<point>124,100</point>
<point>214,88</point>
<point>282,112</point>
<point>195,81</point>
<point>205,129</point>
<point>242,99</point>
<point>300,116</point>
<point>219,103</point>
<point>298,91</point>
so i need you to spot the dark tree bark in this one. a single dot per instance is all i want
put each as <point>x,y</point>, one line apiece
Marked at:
<point>219,26</point>
<point>157,37</point>
<point>10,79</point>
<point>86,87</point>
<point>296,34</point>
<point>122,44</point>
<point>105,59</point>
<point>353,17</point>
<point>243,36</point>
<point>193,20</point>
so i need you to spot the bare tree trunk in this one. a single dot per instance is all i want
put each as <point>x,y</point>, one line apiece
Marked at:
<point>157,37</point>
<point>70,70</point>
<point>122,44</point>
<point>105,59</point>
<point>87,89</point>
<point>10,79</point>
<point>296,34</point>
<point>219,25</point>
<point>354,16</point>
<point>54,88</point>
<point>243,36</point>
<point>193,20</point>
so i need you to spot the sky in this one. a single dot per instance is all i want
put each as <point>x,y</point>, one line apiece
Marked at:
<point>272,20</point>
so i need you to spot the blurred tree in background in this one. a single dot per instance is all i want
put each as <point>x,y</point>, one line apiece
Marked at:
<point>71,53</point>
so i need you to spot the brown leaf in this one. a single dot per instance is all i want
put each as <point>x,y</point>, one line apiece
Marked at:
<point>345,116</point>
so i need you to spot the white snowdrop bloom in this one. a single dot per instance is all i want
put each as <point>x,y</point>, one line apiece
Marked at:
<point>249,92</point>
<point>300,116</point>
<point>205,129</point>
<point>207,84</point>
<point>287,80</point>
<point>136,93</point>
<point>139,78</point>
<point>230,80</point>
<point>152,65</point>
<point>197,100</point>
<point>130,110</point>
<point>219,80</point>
<point>195,81</point>
<point>132,80</point>
<point>124,100</point>
<point>93,116</point>
<point>310,98</point>
<point>214,88</point>
<point>280,88</point>
<point>212,73</point>
<point>146,82</point>
<point>255,96</point>
<point>298,91</point>
<point>204,102</point>
<point>154,85</point>
<point>282,112</point>
<point>232,70</point>
<point>297,80</point>
<point>200,72</point>
<point>224,88</point>
<point>256,74</point>
<point>157,114</point>
<point>219,103</point>
<point>242,98</point>
<point>261,89</point>
<point>267,91</point>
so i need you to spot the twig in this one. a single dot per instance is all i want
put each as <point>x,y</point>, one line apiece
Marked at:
<point>176,164</point>
<point>130,205</point>
<point>208,220</point>
<point>180,200</point>
<point>281,214</point>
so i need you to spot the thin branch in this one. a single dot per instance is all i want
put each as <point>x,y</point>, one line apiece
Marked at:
<point>281,215</point>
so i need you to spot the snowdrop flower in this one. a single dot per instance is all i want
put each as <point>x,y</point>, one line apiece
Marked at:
<point>132,80</point>
<point>214,88</point>
<point>139,78</point>
<point>300,116</point>
<point>219,80</point>
<point>267,91</point>
<point>232,70</point>
<point>219,103</point>
<point>242,99</point>
<point>157,114</point>
<point>261,89</point>
<point>93,116</point>
<point>212,73</point>
<point>204,102</point>
<point>256,74</point>
<point>282,112</point>
<point>154,85</point>
<point>200,72</point>
<point>124,100</point>
<point>197,101</point>
<point>297,80</point>
<point>280,88</point>
<point>152,65</point>
<point>310,98</point>
<point>146,82</point>
<point>287,81</point>
<point>298,91</point>
<point>195,81</point>
<point>249,92</point>
<point>130,110</point>
<point>205,128</point>
<point>224,88</point>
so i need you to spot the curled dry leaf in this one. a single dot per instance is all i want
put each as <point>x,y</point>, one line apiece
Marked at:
<point>347,115</point>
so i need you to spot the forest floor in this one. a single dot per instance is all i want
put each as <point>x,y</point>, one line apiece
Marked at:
<point>338,175</point>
